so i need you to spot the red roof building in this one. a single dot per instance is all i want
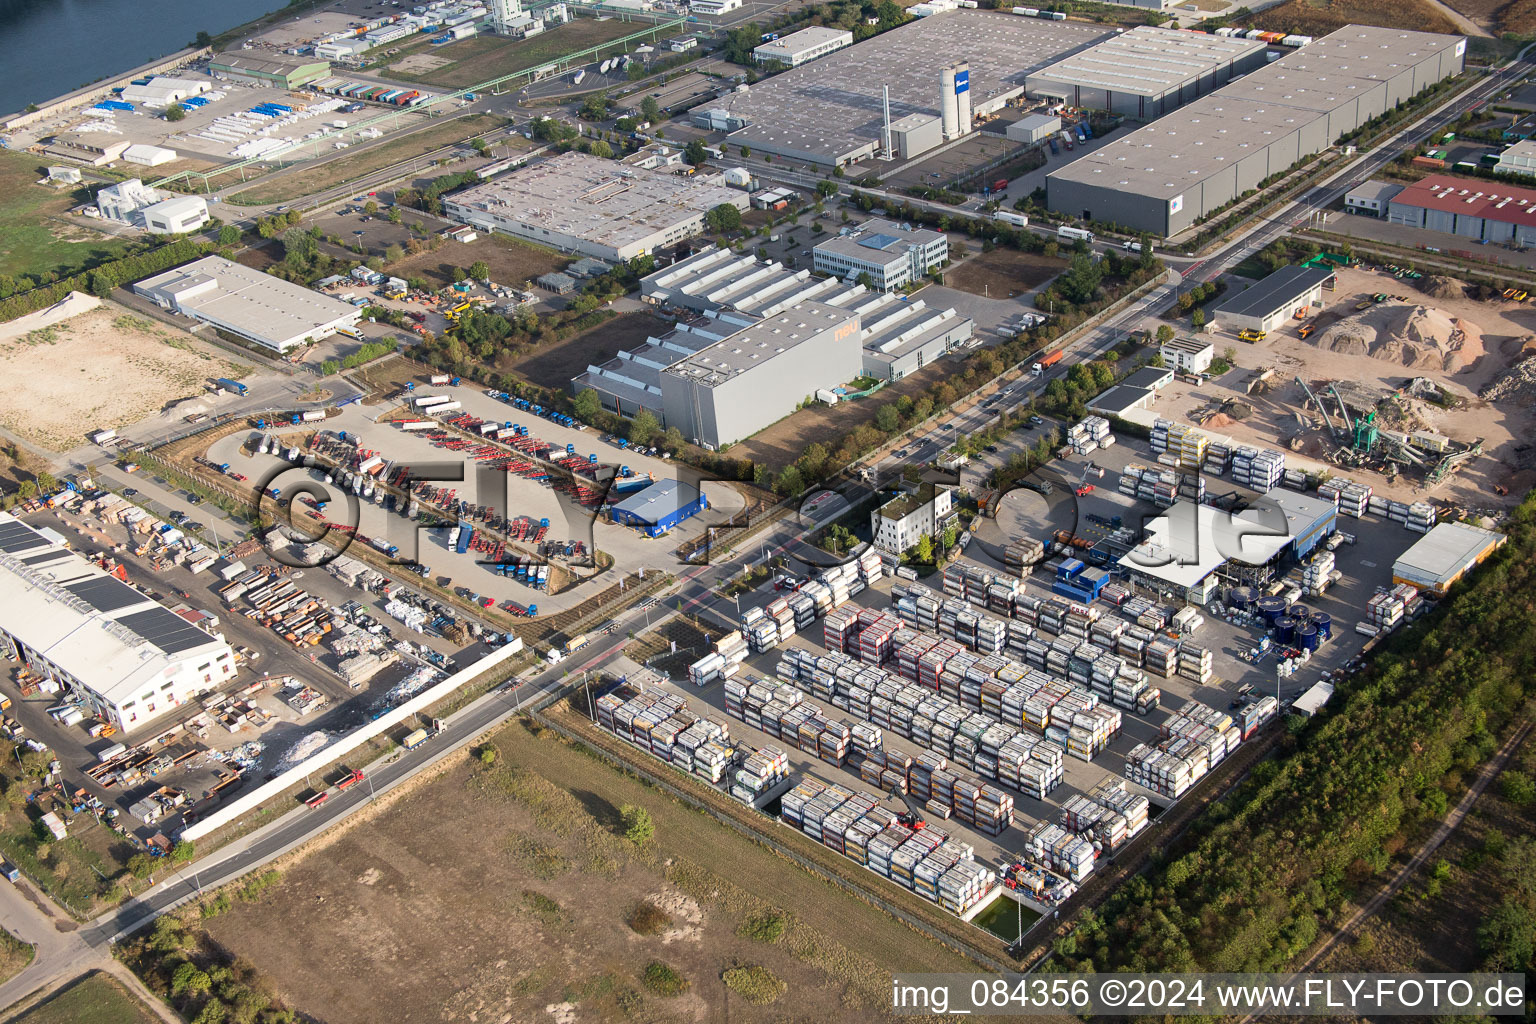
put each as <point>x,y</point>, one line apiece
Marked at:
<point>1484,211</point>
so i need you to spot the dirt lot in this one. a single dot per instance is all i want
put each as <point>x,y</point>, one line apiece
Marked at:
<point>513,894</point>
<point>481,58</point>
<point>1311,18</point>
<point>511,262</point>
<point>1503,426</point>
<point>1433,923</point>
<point>105,367</point>
<point>555,366</point>
<point>784,441</point>
<point>1003,273</point>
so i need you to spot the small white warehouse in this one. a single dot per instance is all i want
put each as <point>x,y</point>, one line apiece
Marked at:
<point>1033,128</point>
<point>176,216</point>
<point>148,156</point>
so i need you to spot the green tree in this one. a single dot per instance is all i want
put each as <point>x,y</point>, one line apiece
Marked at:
<point>370,207</point>
<point>587,405</point>
<point>637,823</point>
<point>330,366</point>
<point>393,253</point>
<point>813,460</point>
<point>650,110</point>
<point>479,270</point>
<point>203,39</point>
<point>175,112</point>
<point>695,153</point>
<point>1197,319</point>
<point>46,483</point>
<point>100,284</point>
<point>1164,334</point>
<point>643,427</point>
<point>672,440</point>
<point>867,281</point>
<point>299,248</point>
<point>724,217</point>
<point>790,482</point>
<point>887,419</point>
<point>229,234</point>
<point>189,979</point>
<point>826,189</point>
<point>183,851</point>
<point>601,150</point>
<point>394,215</point>
<point>1517,787</point>
<point>922,551</point>
<point>1079,284</point>
<point>594,107</point>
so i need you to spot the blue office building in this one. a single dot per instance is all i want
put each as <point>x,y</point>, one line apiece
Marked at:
<point>660,507</point>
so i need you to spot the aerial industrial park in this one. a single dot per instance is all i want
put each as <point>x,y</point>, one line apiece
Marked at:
<point>994,462</point>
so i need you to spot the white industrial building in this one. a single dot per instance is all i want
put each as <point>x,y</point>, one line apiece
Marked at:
<point>148,156</point>
<point>1188,355</point>
<point>713,8</point>
<point>342,49</point>
<point>898,337</point>
<point>1373,198</point>
<point>176,216</point>
<point>585,204</point>
<point>160,91</point>
<point>126,658</point>
<point>803,46</point>
<point>1444,555</point>
<point>1033,128</point>
<point>891,255</point>
<point>1518,159</point>
<point>907,518</point>
<point>260,308</point>
<point>123,201</point>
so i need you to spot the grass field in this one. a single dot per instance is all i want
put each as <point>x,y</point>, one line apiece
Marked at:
<point>14,955</point>
<point>96,998</point>
<point>32,238</point>
<point>309,180</point>
<point>481,58</point>
<point>567,915</point>
<point>1314,18</point>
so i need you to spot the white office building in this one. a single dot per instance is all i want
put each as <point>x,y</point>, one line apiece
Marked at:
<point>712,8</point>
<point>891,255</point>
<point>125,658</point>
<point>1188,355</point>
<point>904,520</point>
<point>803,46</point>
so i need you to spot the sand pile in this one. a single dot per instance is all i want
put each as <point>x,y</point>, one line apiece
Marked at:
<point>1412,336</point>
<point>1438,287</point>
<point>1519,383</point>
<point>70,305</point>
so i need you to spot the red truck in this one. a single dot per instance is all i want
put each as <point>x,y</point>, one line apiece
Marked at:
<point>999,184</point>
<point>352,778</point>
<point>317,799</point>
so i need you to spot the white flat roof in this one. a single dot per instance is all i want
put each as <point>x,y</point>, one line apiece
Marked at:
<point>1189,542</point>
<point>259,306</point>
<point>1444,552</point>
<point>108,635</point>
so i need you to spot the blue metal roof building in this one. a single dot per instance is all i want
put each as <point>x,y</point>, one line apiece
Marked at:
<point>660,507</point>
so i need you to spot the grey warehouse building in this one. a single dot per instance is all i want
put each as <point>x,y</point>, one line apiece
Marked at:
<point>1165,177</point>
<point>596,207</point>
<point>830,112</point>
<point>1273,301</point>
<point>736,387</point>
<point>1146,72</point>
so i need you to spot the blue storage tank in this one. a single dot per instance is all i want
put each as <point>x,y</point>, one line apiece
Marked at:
<point>1324,623</point>
<point>1285,630</point>
<point>1299,612</point>
<point>1272,608</point>
<point>1306,636</point>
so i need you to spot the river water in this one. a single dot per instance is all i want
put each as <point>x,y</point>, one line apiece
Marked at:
<point>51,47</point>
